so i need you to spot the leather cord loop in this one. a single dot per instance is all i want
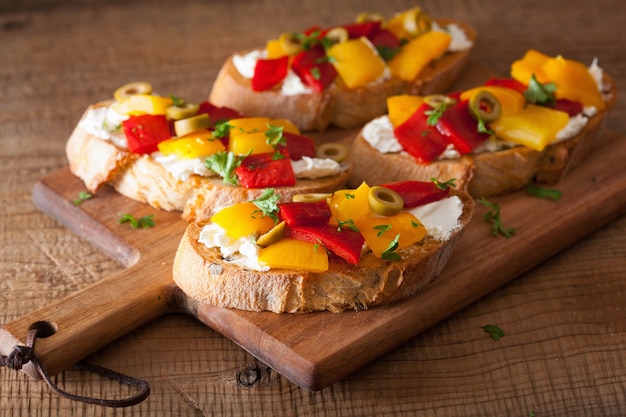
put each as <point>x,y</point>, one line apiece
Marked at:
<point>21,355</point>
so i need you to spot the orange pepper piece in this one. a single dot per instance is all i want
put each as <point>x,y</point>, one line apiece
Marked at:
<point>243,219</point>
<point>289,253</point>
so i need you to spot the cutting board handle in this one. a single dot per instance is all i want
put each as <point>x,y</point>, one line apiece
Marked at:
<point>76,326</point>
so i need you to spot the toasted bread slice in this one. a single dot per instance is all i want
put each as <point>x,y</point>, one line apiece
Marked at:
<point>487,173</point>
<point>140,177</point>
<point>338,106</point>
<point>204,275</point>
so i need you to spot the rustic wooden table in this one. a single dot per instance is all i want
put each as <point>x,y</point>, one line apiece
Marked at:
<point>564,320</point>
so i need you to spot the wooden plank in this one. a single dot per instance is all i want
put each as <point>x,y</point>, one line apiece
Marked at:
<point>317,349</point>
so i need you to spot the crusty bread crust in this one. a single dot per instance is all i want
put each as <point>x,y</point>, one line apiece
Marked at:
<point>338,106</point>
<point>202,274</point>
<point>97,162</point>
<point>488,173</point>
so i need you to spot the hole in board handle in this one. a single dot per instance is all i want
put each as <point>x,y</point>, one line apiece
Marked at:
<point>44,328</point>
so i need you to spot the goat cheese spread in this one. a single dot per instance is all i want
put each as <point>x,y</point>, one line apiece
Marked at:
<point>105,123</point>
<point>440,218</point>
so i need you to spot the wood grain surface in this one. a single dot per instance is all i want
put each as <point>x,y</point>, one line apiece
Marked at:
<point>564,321</point>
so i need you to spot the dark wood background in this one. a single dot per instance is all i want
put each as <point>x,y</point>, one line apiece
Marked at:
<point>565,320</point>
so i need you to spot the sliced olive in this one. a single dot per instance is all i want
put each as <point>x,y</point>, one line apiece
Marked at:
<point>332,150</point>
<point>416,22</point>
<point>337,35</point>
<point>384,201</point>
<point>137,87</point>
<point>274,235</point>
<point>183,127</point>
<point>182,111</point>
<point>438,100</point>
<point>485,106</point>
<point>290,43</point>
<point>369,17</point>
<point>311,197</point>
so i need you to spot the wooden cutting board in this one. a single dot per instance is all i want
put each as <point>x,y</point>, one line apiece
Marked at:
<point>317,349</point>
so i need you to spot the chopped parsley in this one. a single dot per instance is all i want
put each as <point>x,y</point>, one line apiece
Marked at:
<point>545,193</point>
<point>224,164</point>
<point>348,223</point>
<point>177,101</point>
<point>382,228</point>
<point>349,196</point>
<point>542,94</point>
<point>443,186</point>
<point>482,127</point>
<point>274,135</point>
<point>493,217</point>
<point>268,203</point>
<point>222,129</point>
<point>390,253</point>
<point>82,196</point>
<point>387,52</point>
<point>143,222</point>
<point>494,331</point>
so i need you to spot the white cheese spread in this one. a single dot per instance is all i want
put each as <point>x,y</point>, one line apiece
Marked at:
<point>180,168</point>
<point>312,168</point>
<point>459,42</point>
<point>104,123</point>
<point>440,218</point>
<point>379,134</point>
<point>243,252</point>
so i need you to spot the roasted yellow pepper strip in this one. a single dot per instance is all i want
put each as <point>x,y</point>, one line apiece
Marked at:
<point>356,61</point>
<point>401,107</point>
<point>416,54</point>
<point>243,219</point>
<point>193,145</point>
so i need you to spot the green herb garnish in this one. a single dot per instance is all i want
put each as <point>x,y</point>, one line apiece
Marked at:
<point>443,186</point>
<point>493,217</point>
<point>274,136</point>
<point>482,127</point>
<point>542,94</point>
<point>382,228</point>
<point>546,193</point>
<point>387,53</point>
<point>494,331</point>
<point>222,129</point>
<point>177,101</point>
<point>82,196</point>
<point>390,253</point>
<point>348,223</point>
<point>268,203</point>
<point>349,196</point>
<point>143,222</point>
<point>315,73</point>
<point>224,164</point>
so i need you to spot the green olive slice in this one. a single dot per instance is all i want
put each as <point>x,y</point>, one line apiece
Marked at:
<point>369,17</point>
<point>337,35</point>
<point>416,22</point>
<point>182,111</point>
<point>310,197</point>
<point>137,87</point>
<point>485,106</point>
<point>332,150</point>
<point>183,127</point>
<point>437,100</point>
<point>384,201</point>
<point>272,236</point>
<point>290,43</point>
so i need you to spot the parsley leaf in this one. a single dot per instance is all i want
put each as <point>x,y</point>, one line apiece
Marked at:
<point>268,203</point>
<point>390,253</point>
<point>143,222</point>
<point>443,186</point>
<point>274,135</point>
<point>315,73</point>
<point>493,217</point>
<point>387,52</point>
<point>546,193</point>
<point>482,127</point>
<point>348,223</point>
<point>542,94</point>
<point>435,114</point>
<point>494,331</point>
<point>224,164</point>
<point>382,228</point>
<point>222,129</point>
<point>82,196</point>
<point>177,101</point>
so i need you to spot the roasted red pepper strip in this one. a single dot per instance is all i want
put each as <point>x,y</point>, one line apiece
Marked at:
<point>313,68</point>
<point>299,146</point>
<point>417,193</point>
<point>572,108</point>
<point>304,213</point>
<point>367,29</point>
<point>263,170</point>
<point>385,38</point>
<point>507,83</point>
<point>345,243</point>
<point>420,140</point>
<point>218,114</point>
<point>144,132</point>
<point>269,72</point>
<point>460,129</point>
